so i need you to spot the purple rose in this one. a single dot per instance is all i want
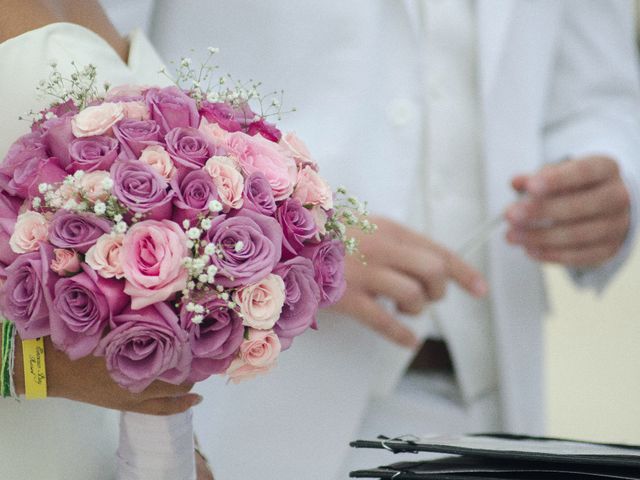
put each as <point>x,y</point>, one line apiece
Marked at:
<point>9,207</point>
<point>188,148</point>
<point>57,137</point>
<point>146,345</point>
<point>92,153</point>
<point>251,246</point>
<point>214,341</point>
<point>141,189</point>
<point>226,116</point>
<point>301,301</point>
<point>258,194</point>
<point>78,231</point>
<point>27,292</point>
<point>26,165</point>
<point>298,225</point>
<point>82,306</point>
<point>267,130</point>
<point>328,264</point>
<point>136,135</point>
<point>171,108</point>
<point>192,195</point>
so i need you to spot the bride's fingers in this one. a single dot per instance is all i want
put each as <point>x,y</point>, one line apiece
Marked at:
<point>167,405</point>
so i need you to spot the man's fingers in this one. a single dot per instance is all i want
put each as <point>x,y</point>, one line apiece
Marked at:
<point>607,198</point>
<point>370,313</point>
<point>167,405</point>
<point>571,175</point>
<point>572,235</point>
<point>406,292</point>
<point>590,256</point>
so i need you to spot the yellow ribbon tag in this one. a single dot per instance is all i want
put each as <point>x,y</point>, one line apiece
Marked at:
<point>35,371</point>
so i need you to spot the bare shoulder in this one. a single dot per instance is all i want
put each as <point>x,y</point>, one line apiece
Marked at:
<point>20,16</point>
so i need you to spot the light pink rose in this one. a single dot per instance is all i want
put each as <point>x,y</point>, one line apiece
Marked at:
<point>92,185</point>
<point>258,354</point>
<point>320,217</point>
<point>299,150</point>
<point>257,154</point>
<point>136,110</point>
<point>125,91</point>
<point>65,262</point>
<point>228,180</point>
<point>261,303</point>
<point>152,260</point>
<point>157,157</point>
<point>30,231</point>
<point>311,189</point>
<point>213,131</point>
<point>105,256</point>
<point>97,119</point>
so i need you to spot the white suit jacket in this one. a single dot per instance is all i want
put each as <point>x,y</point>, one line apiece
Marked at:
<point>558,78</point>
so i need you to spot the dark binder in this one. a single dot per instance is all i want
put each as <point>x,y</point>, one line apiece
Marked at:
<point>500,456</point>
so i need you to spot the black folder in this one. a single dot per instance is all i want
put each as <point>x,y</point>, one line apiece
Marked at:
<point>501,456</point>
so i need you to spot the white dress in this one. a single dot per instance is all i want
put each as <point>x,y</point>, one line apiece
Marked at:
<point>56,439</point>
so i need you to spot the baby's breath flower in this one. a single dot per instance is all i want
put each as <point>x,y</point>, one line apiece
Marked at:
<point>212,270</point>
<point>120,227</point>
<point>199,309</point>
<point>239,246</point>
<point>186,224</point>
<point>210,249</point>
<point>203,278</point>
<point>99,208</point>
<point>36,202</point>
<point>205,224</point>
<point>107,183</point>
<point>194,233</point>
<point>215,206</point>
<point>117,218</point>
<point>197,319</point>
<point>43,188</point>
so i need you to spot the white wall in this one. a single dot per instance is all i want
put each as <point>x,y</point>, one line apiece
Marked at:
<point>593,358</point>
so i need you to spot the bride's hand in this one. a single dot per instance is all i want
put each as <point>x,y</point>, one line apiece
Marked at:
<point>87,380</point>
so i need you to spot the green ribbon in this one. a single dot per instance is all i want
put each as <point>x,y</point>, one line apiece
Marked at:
<point>6,367</point>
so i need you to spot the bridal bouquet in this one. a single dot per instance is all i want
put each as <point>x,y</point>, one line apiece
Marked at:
<point>174,231</point>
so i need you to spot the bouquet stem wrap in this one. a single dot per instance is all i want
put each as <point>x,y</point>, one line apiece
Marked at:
<point>153,447</point>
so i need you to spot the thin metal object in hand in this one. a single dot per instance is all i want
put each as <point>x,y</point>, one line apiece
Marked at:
<point>480,236</point>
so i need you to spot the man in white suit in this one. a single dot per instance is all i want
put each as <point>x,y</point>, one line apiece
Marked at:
<point>435,111</point>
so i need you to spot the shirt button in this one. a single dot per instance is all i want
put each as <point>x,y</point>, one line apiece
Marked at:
<point>401,111</point>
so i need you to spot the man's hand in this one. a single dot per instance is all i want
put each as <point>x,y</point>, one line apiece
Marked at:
<point>576,213</point>
<point>408,269</point>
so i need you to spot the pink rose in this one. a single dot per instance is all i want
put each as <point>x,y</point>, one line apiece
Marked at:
<point>65,262</point>
<point>228,180</point>
<point>311,189</point>
<point>320,217</point>
<point>31,229</point>
<point>105,256</point>
<point>299,151</point>
<point>125,91</point>
<point>136,110</point>
<point>152,260</point>
<point>214,133</point>
<point>262,302</point>
<point>258,354</point>
<point>256,154</point>
<point>93,183</point>
<point>97,119</point>
<point>157,158</point>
